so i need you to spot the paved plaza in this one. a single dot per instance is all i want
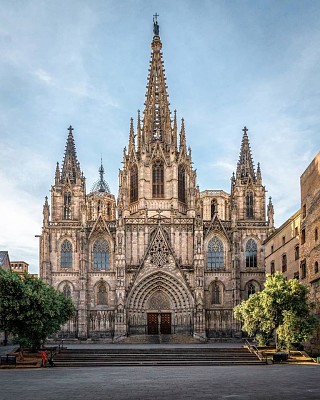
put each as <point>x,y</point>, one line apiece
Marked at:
<point>178,383</point>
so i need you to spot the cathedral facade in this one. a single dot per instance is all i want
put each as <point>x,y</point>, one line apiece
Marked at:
<point>165,258</point>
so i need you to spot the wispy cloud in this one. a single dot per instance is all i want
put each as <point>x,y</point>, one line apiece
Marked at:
<point>44,76</point>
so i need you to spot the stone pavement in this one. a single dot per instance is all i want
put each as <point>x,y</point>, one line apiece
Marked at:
<point>161,383</point>
<point>158,383</point>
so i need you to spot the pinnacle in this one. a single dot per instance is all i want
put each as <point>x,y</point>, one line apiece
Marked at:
<point>101,185</point>
<point>245,167</point>
<point>70,164</point>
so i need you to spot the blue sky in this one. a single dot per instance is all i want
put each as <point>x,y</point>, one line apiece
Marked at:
<point>228,64</point>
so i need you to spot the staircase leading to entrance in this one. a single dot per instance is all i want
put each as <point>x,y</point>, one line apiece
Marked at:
<point>157,356</point>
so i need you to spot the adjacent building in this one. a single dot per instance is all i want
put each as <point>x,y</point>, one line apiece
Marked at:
<point>20,267</point>
<point>310,229</point>
<point>282,248</point>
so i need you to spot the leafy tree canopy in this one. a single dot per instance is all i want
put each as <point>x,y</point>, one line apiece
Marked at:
<point>30,309</point>
<point>281,307</point>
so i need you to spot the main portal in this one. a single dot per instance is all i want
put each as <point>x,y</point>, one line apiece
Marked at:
<point>158,321</point>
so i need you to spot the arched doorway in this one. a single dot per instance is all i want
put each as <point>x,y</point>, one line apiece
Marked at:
<point>159,314</point>
<point>160,303</point>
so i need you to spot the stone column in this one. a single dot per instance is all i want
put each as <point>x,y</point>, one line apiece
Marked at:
<point>120,323</point>
<point>83,286</point>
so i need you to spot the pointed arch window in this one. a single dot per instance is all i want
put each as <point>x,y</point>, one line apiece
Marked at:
<point>215,294</point>
<point>133,183</point>
<point>213,207</point>
<point>67,206</point>
<point>66,254</point>
<point>66,290</point>
<point>251,289</point>
<point>215,253</point>
<point>249,205</point>
<point>181,184</point>
<point>101,255</point>
<point>158,179</point>
<point>251,254</point>
<point>102,294</point>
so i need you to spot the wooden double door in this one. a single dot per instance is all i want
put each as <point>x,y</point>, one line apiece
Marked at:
<point>158,321</point>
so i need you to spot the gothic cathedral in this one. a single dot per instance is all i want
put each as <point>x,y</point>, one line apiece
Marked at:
<point>165,257</point>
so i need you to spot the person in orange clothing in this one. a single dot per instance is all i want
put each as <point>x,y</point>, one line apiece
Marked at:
<point>44,358</point>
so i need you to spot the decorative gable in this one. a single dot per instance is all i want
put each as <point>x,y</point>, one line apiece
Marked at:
<point>159,250</point>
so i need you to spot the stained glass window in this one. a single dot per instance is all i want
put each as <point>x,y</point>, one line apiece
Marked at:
<point>181,184</point>
<point>251,289</point>
<point>133,183</point>
<point>67,290</point>
<point>102,294</point>
<point>66,254</point>
<point>249,205</point>
<point>215,294</point>
<point>215,253</point>
<point>251,254</point>
<point>67,206</point>
<point>158,179</point>
<point>101,255</point>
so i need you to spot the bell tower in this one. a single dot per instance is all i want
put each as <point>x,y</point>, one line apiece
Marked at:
<point>68,192</point>
<point>247,192</point>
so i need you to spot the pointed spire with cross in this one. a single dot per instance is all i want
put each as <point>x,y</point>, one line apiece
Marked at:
<point>70,165</point>
<point>245,167</point>
<point>101,185</point>
<point>156,121</point>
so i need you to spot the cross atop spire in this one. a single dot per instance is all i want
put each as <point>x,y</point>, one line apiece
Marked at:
<point>155,25</point>
<point>245,130</point>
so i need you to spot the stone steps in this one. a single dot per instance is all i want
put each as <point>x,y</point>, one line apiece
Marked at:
<point>155,357</point>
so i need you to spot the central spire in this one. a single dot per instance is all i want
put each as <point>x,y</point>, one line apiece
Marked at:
<point>156,122</point>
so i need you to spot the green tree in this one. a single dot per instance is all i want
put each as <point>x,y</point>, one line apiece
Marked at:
<point>281,307</point>
<point>30,309</point>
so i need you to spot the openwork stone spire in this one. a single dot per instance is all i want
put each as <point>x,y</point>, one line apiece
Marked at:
<point>70,165</point>
<point>245,168</point>
<point>156,123</point>
<point>101,185</point>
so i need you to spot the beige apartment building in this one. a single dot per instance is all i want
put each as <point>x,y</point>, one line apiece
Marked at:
<point>282,251</point>
<point>310,229</point>
<point>20,267</point>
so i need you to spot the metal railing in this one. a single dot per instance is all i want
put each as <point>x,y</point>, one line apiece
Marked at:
<point>254,350</point>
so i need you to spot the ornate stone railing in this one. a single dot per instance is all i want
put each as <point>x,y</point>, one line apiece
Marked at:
<point>66,224</point>
<point>215,193</point>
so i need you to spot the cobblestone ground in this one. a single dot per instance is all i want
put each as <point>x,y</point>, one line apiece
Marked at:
<point>246,382</point>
